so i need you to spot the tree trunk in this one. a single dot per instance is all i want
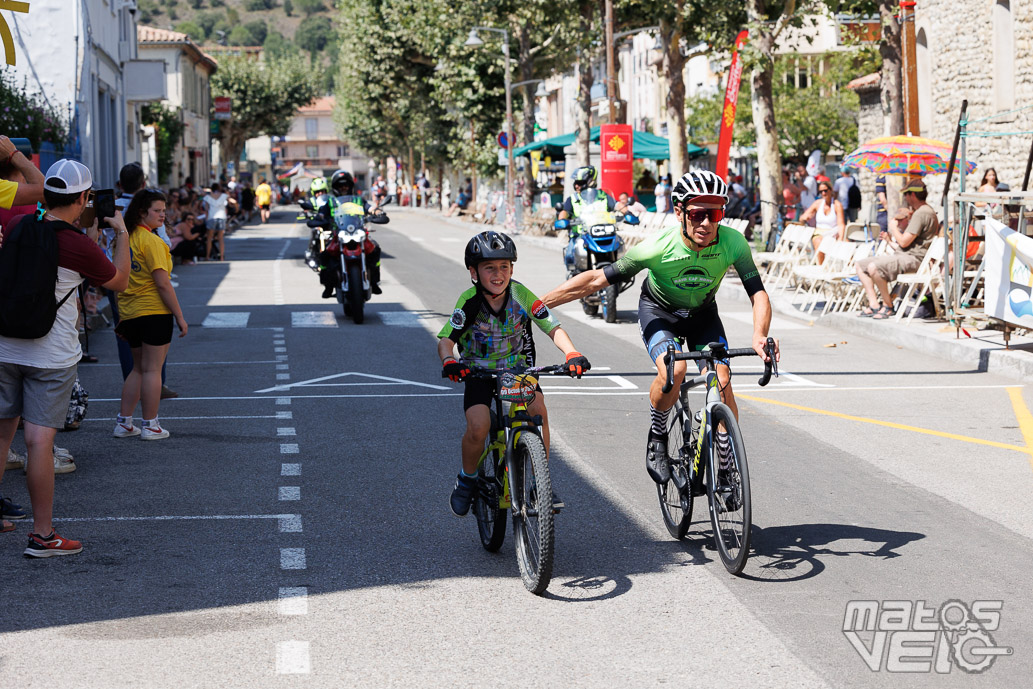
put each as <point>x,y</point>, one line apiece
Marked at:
<point>674,64</point>
<point>769,160</point>
<point>584,109</point>
<point>525,67</point>
<point>891,82</point>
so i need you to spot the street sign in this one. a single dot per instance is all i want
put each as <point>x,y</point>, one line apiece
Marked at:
<point>503,158</point>
<point>503,140</point>
<point>223,108</point>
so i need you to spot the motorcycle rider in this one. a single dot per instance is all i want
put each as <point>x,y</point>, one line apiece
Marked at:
<point>342,187</point>
<point>578,203</point>
<point>320,192</point>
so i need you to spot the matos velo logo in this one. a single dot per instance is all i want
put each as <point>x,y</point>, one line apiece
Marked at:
<point>913,636</point>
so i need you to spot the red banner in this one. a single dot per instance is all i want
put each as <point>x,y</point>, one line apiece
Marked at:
<point>615,154</point>
<point>724,143</point>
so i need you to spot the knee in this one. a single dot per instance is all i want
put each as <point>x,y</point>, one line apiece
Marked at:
<point>477,431</point>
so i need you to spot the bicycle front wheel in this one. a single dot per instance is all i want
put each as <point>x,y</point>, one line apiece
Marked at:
<point>729,492</point>
<point>491,520</point>
<point>531,489</point>
<point>675,505</point>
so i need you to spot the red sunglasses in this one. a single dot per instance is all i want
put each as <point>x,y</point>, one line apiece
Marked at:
<point>697,215</point>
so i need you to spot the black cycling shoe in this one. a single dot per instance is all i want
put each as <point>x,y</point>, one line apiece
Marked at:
<point>656,459</point>
<point>376,288</point>
<point>462,495</point>
<point>328,291</point>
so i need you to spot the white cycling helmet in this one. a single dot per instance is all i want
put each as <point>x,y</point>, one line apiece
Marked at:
<point>699,185</point>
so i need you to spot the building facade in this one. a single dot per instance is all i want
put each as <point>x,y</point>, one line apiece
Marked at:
<point>188,71</point>
<point>313,141</point>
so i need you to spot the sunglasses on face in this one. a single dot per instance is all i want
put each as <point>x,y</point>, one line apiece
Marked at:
<point>825,190</point>
<point>697,215</point>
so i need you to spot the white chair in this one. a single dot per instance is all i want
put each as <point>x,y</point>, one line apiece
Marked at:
<point>923,281</point>
<point>790,251</point>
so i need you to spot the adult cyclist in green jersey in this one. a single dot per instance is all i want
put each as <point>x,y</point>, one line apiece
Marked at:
<point>685,263</point>
<point>584,198</point>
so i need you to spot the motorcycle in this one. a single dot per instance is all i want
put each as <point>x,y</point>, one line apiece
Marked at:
<point>309,210</point>
<point>597,244</point>
<point>347,241</point>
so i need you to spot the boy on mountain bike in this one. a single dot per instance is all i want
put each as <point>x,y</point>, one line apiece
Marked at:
<point>491,324</point>
<point>685,263</point>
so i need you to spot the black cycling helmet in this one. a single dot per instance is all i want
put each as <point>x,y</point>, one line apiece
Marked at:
<point>342,183</point>
<point>489,246</point>
<point>585,177</point>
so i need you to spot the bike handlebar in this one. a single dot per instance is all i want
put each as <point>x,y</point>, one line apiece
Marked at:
<point>716,351</point>
<point>489,373</point>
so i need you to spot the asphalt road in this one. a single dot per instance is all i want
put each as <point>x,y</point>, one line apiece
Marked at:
<point>294,529</point>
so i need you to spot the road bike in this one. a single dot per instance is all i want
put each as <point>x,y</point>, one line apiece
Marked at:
<point>697,467</point>
<point>513,474</point>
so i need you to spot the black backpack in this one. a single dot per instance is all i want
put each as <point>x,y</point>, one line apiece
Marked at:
<point>28,273</point>
<point>854,196</point>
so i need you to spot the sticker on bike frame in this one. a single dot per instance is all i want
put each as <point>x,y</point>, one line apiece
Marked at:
<point>518,389</point>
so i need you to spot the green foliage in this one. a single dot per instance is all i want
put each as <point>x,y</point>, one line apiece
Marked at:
<point>276,46</point>
<point>218,3</point>
<point>28,115</point>
<point>265,96</point>
<point>288,7</point>
<point>703,117</point>
<point>232,16</point>
<point>310,6</point>
<point>207,22</point>
<point>313,34</point>
<point>147,10</point>
<point>258,30</point>
<point>196,33</point>
<point>259,5</point>
<point>241,36</point>
<point>168,130</point>
<point>196,4</point>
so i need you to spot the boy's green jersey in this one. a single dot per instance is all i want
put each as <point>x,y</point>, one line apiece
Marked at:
<point>498,340</point>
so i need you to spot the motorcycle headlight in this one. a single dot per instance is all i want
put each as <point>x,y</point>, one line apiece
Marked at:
<point>601,230</point>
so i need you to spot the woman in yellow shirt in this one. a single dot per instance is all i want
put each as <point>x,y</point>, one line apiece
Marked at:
<point>147,308</point>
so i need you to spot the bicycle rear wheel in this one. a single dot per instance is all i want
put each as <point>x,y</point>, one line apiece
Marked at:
<point>531,489</point>
<point>491,520</point>
<point>675,505</point>
<point>729,492</point>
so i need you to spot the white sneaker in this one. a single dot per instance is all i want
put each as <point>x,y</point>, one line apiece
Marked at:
<point>155,432</point>
<point>15,460</point>
<point>63,464</point>
<point>62,452</point>
<point>124,431</point>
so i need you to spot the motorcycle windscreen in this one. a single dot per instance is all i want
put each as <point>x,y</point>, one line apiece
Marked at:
<point>348,222</point>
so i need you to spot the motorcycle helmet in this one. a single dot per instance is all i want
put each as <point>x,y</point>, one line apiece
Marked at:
<point>584,177</point>
<point>342,183</point>
<point>699,185</point>
<point>318,185</point>
<point>489,246</point>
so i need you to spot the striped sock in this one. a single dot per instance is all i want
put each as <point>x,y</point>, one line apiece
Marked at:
<point>724,449</point>
<point>658,425</point>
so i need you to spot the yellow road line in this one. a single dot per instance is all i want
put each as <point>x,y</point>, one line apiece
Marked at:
<point>902,427</point>
<point>1025,419</point>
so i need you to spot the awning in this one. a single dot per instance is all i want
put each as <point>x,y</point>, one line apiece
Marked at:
<point>645,146</point>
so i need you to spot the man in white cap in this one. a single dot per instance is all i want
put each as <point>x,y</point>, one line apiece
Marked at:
<point>37,372</point>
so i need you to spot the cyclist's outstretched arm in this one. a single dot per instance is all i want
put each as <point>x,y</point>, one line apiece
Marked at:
<point>762,323</point>
<point>576,287</point>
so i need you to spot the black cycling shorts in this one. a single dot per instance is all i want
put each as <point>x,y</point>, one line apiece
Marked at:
<point>660,328</point>
<point>482,391</point>
<point>146,330</point>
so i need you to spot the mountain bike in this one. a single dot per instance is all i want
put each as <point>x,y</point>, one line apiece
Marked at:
<point>513,475</point>
<point>697,468</point>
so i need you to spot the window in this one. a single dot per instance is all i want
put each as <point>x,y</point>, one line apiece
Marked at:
<point>342,151</point>
<point>311,151</point>
<point>311,129</point>
<point>1004,55</point>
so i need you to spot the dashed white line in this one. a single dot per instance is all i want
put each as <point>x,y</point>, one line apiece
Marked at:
<point>290,492</point>
<point>281,357</point>
<point>285,415</point>
<point>283,401</point>
<point>283,376</point>
<point>289,449</point>
<point>290,523</point>
<point>292,658</point>
<point>290,469</point>
<point>283,367</point>
<point>280,350</point>
<point>292,558</point>
<point>286,432</point>
<point>226,319</point>
<point>293,600</point>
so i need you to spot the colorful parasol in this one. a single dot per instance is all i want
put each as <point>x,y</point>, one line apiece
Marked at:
<point>904,155</point>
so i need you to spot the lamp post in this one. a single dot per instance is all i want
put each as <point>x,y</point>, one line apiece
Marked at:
<point>474,41</point>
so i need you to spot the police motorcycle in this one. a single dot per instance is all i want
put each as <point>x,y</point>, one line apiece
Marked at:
<point>343,247</point>
<point>596,244</point>
<point>309,209</point>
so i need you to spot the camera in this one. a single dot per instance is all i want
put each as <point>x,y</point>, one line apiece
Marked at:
<point>104,205</point>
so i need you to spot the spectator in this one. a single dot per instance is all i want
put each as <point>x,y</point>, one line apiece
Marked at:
<point>809,184</point>
<point>264,197</point>
<point>462,201</point>
<point>842,188</point>
<point>662,192</point>
<point>790,195</point>
<point>881,209</point>
<point>737,204</point>
<point>131,179</point>
<point>829,219</point>
<point>247,202</point>
<point>185,239</point>
<point>21,183</point>
<point>148,306</point>
<point>231,186</point>
<point>988,184</point>
<point>37,375</point>
<point>629,206</point>
<point>424,185</point>
<point>910,234</point>
<point>215,208</point>
<point>379,190</point>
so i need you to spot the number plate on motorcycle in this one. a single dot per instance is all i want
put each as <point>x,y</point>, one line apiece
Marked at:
<point>518,388</point>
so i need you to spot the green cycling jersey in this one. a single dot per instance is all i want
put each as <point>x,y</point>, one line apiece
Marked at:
<point>682,279</point>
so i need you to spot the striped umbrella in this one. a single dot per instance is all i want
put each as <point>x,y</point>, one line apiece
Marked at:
<point>904,155</point>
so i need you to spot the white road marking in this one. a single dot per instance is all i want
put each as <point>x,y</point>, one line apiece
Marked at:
<point>288,493</point>
<point>280,350</point>
<point>292,658</point>
<point>289,449</point>
<point>226,319</point>
<point>401,319</point>
<point>191,418</point>
<point>293,600</point>
<point>288,469</point>
<point>290,523</point>
<point>283,376</point>
<point>313,319</point>
<point>620,383</point>
<point>285,415</point>
<point>777,324</point>
<point>176,518</point>
<point>418,240</point>
<point>318,382</point>
<point>279,357</point>
<point>285,401</point>
<point>278,329</point>
<point>292,558</point>
<point>283,367</point>
<point>286,432</point>
<point>198,363</point>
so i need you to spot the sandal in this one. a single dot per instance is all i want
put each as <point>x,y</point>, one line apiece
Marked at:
<point>867,312</point>
<point>884,313</point>
<point>6,526</point>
